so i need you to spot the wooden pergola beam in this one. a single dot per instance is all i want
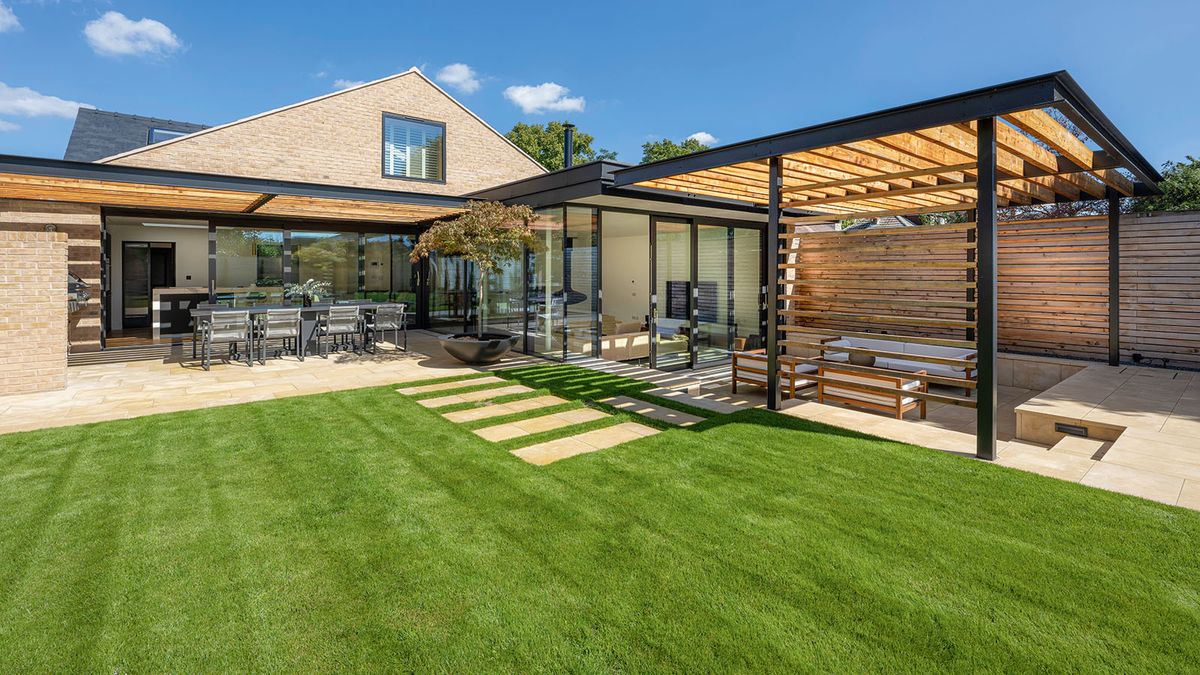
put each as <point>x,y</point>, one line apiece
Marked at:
<point>797,220</point>
<point>872,195</point>
<point>861,180</point>
<point>1039,124</point>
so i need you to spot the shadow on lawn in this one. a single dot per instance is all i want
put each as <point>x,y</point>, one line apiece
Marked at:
<point>593,386</point>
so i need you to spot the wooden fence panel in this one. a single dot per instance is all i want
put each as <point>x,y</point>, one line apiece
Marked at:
<point>1052,279</point>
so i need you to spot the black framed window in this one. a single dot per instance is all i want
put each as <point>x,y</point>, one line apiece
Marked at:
<point>414,149</point>
<point>159,135</point>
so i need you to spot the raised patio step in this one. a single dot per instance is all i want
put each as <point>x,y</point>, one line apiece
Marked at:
<point>1091,448</point>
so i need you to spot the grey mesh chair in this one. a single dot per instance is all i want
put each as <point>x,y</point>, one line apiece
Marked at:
<point>283,325</point>
<point>198,323</point>
<point>387,318</point>
<point>230,328</point>
<point>341,325</point>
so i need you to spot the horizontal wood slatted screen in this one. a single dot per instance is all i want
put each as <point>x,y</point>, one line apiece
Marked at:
<point>907,283</point>
<point>1052,279</point>
<point>1160,287</point>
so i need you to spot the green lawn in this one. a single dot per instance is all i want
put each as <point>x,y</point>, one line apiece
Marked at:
<point>358,530</point>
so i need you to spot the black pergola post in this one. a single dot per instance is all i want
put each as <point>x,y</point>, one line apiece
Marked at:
<point>772,280</point>
<point>1114,277</point>
<point>985,315</point>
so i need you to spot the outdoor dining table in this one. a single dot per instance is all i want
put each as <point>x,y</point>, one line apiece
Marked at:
<point>308,315</point>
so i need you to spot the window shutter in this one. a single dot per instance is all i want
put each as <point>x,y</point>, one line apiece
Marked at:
<point>412,149</point>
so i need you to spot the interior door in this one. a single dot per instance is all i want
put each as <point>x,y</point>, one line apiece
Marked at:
<point>144,267</point>
<point>672,301</point>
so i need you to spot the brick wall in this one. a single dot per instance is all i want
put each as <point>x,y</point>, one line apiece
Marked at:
<point>81,224</point>
<point>338,140</point>
<point>33,311</point>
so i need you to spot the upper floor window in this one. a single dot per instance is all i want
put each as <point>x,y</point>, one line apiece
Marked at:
<point>414,148</point>
<point>159,135</point>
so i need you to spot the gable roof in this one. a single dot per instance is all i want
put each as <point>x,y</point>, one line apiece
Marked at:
<point>101,133</point>
<point>411,71</point>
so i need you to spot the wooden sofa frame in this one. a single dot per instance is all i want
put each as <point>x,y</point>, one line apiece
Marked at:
<point>889,387</point>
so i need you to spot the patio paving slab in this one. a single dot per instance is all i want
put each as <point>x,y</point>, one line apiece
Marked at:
<point>654,412</point>
<point>445,386</point>
<point>534,425</point>
<point>474,396</point>
<point>1053,464</point>
<point>590,441</point>
<point>501,409</point>
<point>1189,496</point>
<point>1137,482</point>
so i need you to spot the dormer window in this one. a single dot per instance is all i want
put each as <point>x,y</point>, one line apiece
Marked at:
<point>159,135</point>
<point>413,148</point>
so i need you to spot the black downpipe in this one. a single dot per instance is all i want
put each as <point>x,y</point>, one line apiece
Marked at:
<point>568,145</point>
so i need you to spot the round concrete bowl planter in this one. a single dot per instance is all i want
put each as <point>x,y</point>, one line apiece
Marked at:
<point>470,349</point>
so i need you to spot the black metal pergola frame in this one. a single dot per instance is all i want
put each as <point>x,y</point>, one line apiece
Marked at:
<point>980,107</point>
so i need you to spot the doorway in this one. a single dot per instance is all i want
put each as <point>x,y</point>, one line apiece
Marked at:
<point>145,266</point>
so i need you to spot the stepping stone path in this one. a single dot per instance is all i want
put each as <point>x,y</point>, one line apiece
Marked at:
<point>654,412</point>
<point>501,409</point>
<point>590,441</point>
<point>534,425</point>
<point>445,386</point>
<point>549,451</point>
<point>474,396</point>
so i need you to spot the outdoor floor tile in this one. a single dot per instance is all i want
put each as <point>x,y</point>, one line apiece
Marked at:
<point>552,451</point>
<point>1055,465</point>
<point>1190,495</point>
<point>654,412</point>
<point>534,425</point>
<point>1137,482</point>
<point>445,386</point>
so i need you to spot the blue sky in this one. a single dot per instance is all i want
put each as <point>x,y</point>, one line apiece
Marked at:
<point>643,70</point>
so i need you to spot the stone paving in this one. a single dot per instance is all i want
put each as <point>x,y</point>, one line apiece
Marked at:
<point>652,411</point>
<point>539,453</point>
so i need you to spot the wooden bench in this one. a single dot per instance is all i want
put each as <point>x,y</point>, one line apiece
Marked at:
<point>750,367</point>
<point>885,393</point>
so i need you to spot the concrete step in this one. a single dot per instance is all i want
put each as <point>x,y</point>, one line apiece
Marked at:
<point>1091,448</point>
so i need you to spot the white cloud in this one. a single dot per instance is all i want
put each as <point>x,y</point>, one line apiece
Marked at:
<point>544,97</point>
<point>8,21</point>
<point>5,125</point>
<point>29,103</point>
<point>339,85</point>
<point>704,138</point>
<point>459,76</point>
<point>115,34</point>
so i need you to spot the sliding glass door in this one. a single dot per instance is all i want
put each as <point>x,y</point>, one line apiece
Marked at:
<point>671,331</point>
<point>728,291</point>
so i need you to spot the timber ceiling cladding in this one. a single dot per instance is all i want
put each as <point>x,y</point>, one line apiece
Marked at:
<point>922,158</point>
<point>113,185</point>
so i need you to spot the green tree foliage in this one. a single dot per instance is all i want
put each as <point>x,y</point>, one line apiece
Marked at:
<point>488,234</point>
<point>667,148</point>
<point>545,144</point>
<point>1180,186</point>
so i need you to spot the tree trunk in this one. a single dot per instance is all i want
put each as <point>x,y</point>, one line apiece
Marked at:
<point>483,277</point>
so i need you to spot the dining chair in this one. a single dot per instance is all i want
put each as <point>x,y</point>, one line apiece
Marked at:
<point>280,324</point>
<point>231,328</point>
<point>197,322</point>
<point>388,317</point>
<point>339,321</point>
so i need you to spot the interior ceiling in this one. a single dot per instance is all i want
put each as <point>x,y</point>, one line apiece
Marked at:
<point>1039,160</point>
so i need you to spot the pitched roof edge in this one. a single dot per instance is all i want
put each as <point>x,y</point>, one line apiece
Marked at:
<point>413,70</point>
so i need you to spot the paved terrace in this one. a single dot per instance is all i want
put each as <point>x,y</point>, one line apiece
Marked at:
<point>1155,454</point>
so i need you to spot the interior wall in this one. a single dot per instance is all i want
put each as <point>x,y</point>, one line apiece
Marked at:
<point>625,262</point>
<point>191,255</point>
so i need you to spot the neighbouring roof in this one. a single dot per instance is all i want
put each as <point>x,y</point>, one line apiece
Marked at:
<point>101,133</point>
<point>883,221</point>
